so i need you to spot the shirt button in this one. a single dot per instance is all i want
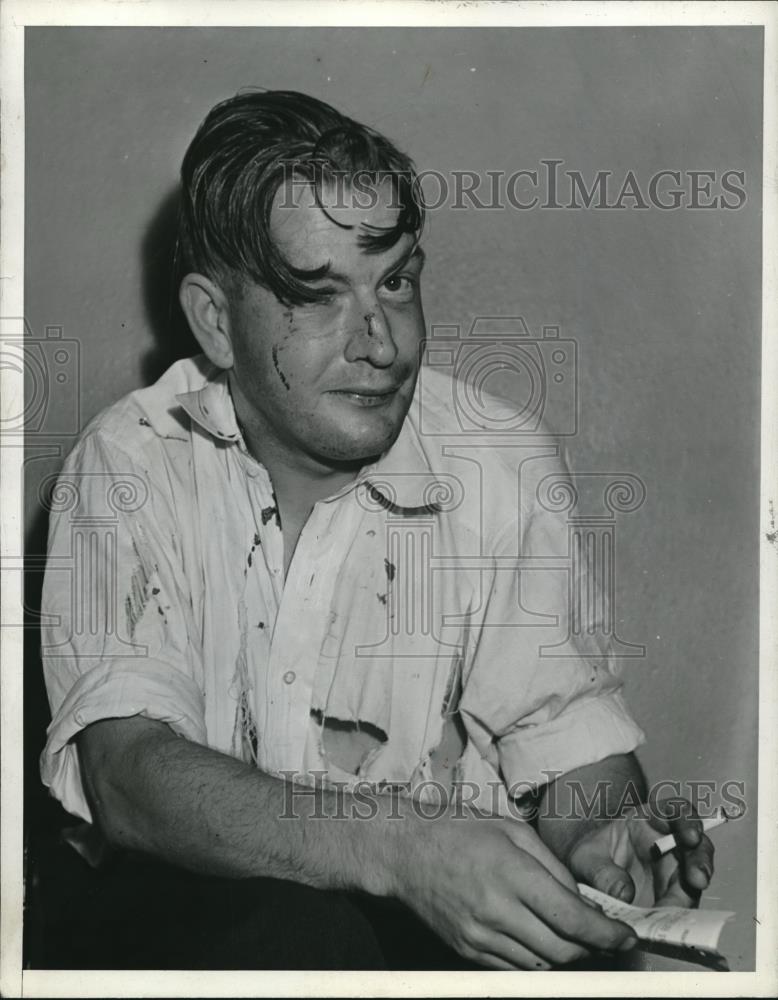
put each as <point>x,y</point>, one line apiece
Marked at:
<point>289,677</point>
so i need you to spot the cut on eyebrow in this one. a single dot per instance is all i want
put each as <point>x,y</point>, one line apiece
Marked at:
<point>325,273</point>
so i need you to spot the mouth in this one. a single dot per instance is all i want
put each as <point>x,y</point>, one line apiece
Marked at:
<point>364,396</point>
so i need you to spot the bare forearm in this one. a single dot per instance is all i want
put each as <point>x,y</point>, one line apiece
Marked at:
<point>480,885</point>
<point>579,800</point>
<point>208,812</point>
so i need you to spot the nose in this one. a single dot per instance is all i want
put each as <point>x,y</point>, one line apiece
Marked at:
<point>371,339</point>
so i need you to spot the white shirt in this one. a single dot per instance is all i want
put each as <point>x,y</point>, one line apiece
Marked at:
<point>437,581</point>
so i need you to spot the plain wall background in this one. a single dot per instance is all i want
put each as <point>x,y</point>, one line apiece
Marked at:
<point>665,306</point>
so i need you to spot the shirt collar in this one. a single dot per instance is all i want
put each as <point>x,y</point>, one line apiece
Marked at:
<point>211,406</point>
<point>401,482</point>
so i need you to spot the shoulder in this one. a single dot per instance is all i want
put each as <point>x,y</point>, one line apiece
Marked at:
<point>146,418</point>
<point>449,405</point>
<point>459,424</point>
<point>500,470</point>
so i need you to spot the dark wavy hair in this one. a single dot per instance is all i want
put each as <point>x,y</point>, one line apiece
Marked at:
<point>244,150</point>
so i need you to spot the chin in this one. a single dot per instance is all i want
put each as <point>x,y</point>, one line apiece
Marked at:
<point>357,436</point>
<point>359,449</point>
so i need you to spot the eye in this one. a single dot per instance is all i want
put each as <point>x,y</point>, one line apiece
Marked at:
<point>400,286</point>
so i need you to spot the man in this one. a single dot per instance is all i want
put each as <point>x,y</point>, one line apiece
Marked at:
<point>306,624</point>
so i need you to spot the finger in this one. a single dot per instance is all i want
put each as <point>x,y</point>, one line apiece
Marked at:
<point>697,865</point>
<point>679,817</point>
<point>676,894</point>
<point>688,831</point>
<point>501,951</point>
<point>569,916</point>
<point>493,962</point>
<point>515,923</point>
<point>496,962</point>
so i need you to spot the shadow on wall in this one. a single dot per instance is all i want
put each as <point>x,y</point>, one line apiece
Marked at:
<point>172,340</point>
<point>162,273</point>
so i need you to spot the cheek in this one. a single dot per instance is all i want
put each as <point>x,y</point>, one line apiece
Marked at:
<point>255,369</point>
<point>407,324</point>
<point>299,364</point>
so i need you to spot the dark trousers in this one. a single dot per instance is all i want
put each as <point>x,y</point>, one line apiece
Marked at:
<point>142,914</point>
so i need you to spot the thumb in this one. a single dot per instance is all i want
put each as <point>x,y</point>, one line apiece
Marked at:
<point>592,864</point>
<point>613,881</point>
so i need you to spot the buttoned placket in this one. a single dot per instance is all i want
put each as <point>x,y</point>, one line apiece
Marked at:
<point>285,681</point>
<point>294,653</point>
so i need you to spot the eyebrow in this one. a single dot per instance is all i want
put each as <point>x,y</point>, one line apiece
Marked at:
<point>416,254</point>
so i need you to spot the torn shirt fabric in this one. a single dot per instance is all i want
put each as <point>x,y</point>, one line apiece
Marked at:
<point>437,585</point>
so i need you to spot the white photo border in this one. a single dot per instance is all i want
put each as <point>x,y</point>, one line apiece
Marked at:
<point>15,15</point>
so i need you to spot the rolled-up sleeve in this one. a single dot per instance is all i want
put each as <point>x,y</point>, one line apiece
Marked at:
<point>542,692</point>
<point>118,632</point>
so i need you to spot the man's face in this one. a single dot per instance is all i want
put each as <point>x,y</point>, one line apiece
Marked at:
<point>330,382</point>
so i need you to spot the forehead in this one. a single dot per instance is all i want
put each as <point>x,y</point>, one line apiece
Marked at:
<point>310,233</point>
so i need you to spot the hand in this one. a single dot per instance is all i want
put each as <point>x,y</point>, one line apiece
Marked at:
<point>493,891</point>
<point>615,858</point>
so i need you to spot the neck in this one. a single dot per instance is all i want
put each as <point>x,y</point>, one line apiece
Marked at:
<point>299,481</point>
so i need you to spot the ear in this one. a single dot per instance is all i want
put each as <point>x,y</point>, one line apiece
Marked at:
<point>206,308</point>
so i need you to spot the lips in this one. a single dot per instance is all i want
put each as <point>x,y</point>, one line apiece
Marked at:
<point>364,390</point>
<point>366,397</point>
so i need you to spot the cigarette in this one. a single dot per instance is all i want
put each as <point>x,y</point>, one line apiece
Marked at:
<point>666,844</point>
